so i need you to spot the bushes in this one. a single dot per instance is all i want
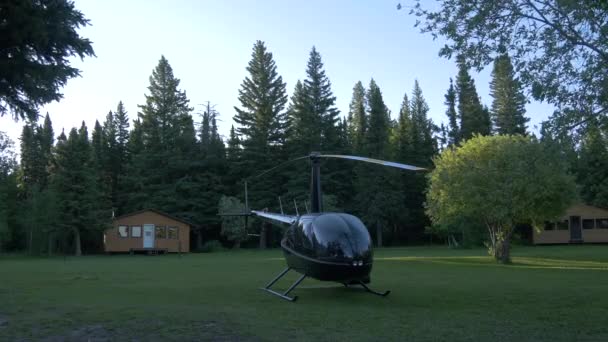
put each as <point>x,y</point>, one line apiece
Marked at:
<point>212,246</point>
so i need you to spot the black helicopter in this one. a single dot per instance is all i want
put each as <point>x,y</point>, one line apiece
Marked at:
<point>327,246</point>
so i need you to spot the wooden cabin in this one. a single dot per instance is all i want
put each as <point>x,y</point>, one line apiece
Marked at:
<point>580,224</point>
<point>149,231</point>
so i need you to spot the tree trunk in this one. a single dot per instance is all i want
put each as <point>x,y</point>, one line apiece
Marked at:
<point>505,252</point>
<point>379,234</point>
<point>237,244</point>
<point>31,240</point>
<point>263,236</point>
<point>51,244</point>
<point>77,249</point>
<point>199,240</point>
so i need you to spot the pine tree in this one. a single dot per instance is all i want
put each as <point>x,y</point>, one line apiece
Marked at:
<point>119,175</point>
<point>80,212</point>
<point>31,157</point>
<point>261,124</point>
<point>373,188</point>
<point>166,148</point>
<point>8,193</point>
<point>357,119</point>
<point>322,101</point>
<point>473,118</point>
<point>508,106</point>
<point>450,102</point>
<point>423,142</point>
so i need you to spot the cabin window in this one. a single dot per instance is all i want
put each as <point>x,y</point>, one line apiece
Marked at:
<point>602,223</point>
<point>549,225</point>
<point>172,233</point>
<point>588,223</point>
<point>123,231</point>
<point>160,232</point>
<point>135,231</point>
<point>562,225</point>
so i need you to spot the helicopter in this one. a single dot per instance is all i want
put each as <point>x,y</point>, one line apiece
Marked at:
<point>327,246</point>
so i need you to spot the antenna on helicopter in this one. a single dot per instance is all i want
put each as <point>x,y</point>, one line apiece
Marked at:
<point>306,206</point>
<point>281,206</point>
<point>246,199</point>
<point>295,204</point>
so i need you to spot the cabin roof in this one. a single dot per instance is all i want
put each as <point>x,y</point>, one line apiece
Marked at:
<point>157,212</point>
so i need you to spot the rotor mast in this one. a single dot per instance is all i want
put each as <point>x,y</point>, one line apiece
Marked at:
<point>316,198</point>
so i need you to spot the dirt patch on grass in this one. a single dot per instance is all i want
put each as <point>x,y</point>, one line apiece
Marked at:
<point>3,321</point>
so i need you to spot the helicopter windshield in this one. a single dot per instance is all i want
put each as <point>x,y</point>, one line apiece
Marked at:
<point>339,237</point>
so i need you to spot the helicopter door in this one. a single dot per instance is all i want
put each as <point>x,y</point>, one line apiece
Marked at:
<point>148,236</point>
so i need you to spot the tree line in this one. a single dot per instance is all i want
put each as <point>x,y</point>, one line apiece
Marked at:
<point>67,187</point>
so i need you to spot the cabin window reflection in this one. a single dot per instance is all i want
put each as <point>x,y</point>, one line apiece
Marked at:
<point>563,225</point>
<point>123,231</point>
<point>135,231</point>
<point>549,225</point>
<point>172,233</point>
<point>160,232</point>
<point>602,223</point>
<point>588,223</point>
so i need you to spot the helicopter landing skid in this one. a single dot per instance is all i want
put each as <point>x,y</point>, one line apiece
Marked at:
<point>283,295</point>
<point>367,289</point>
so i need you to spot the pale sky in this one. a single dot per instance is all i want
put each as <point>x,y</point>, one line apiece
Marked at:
<point>208,44</point>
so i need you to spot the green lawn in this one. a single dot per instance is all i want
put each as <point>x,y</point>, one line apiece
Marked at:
<point>553,293</point>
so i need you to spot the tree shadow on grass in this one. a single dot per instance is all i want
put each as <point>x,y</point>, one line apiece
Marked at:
<point>517,262</point>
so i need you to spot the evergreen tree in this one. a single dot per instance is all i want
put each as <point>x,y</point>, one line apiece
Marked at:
<point>473,118</point>
<point>373,189</point>
<point>32,169</point>
<point>508,106</point>
<point>357,119</point>
<point>8,193</point>
<point>38,37</point>
<point>422,130</point>
<point>450,102</point>
<point>261,124</point>
<point>122,158</point>
<point>164,146</point>
<point>322,102</point>
<point>79,209</point>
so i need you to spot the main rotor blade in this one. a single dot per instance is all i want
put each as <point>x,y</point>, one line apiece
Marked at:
<point>374,161</point>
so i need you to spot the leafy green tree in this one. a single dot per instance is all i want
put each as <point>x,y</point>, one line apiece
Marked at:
<point>233,227</point>
<point>481,180</point>
<point>509,103</point>
<point>473,118</point>
<point>558,47</point>
<point>592,168</point>
<point>39,36</point>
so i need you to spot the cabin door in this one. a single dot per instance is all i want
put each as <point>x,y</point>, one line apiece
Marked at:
<point>575,229</point>
<point>148,236</point>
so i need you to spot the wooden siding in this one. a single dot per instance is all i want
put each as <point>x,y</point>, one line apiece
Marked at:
<point>113,242</point>
<point>595,235</point>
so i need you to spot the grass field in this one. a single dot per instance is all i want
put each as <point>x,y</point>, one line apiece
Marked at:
<point>553,293</point>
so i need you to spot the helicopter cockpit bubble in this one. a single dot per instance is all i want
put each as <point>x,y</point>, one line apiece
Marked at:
<point>336,237</point>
